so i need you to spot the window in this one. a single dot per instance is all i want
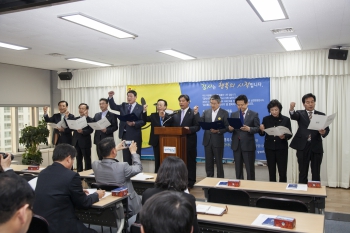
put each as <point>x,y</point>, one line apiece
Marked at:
<point>8,142</point>
<point>7,118</point>
<point>7,134</point>
<point>7,126</point>
<point>7,110</point>
<point>20,109</point>
<point>20,117</point>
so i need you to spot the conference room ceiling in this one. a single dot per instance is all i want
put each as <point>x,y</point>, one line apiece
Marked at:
<point>204,29</point>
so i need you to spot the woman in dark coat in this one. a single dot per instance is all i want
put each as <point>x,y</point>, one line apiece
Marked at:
<point>276,147</point>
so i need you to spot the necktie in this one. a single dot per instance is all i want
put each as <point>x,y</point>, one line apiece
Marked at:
<point>243,113</point>
<point>182,115</point>
<point>310,116</point>
<point>129,108</point>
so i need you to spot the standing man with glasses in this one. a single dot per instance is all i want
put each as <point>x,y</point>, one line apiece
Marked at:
<point>308,143</point>
<point>129,130</point>
<point>188,118</point>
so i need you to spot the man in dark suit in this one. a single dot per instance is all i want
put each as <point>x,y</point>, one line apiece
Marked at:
<point>308,143</point>
<point>188,118</point>
<point>243,141</point>
<point>157,119</point>
<point>59,191</point>
<point>60,135</point>
<point>213,139</point>
<point>82,140</point>
<point>107,132</point>
<point>129,130</point>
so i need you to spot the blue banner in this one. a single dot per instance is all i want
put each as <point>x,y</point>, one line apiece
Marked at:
<point>257,90</point>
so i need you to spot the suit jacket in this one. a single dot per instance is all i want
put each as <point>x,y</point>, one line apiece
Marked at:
<point>272,142</point>
<point>216,139</point>
<point>300,139</point>
<point>66,135</point>
<point>99,135</point>
<point>133,132</point>
<point>247,139</point>
<point>155,122</point>
<point>152,191</point>
<point>112,172</point>
<point>83,139</point>
<point>190,120</point>
<point>58,192</point>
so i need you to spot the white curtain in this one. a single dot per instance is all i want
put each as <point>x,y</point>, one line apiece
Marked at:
<point>292,75</point>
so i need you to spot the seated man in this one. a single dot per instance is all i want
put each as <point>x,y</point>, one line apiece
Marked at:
<point>112,172</point>
<point>59,191</point>
<point>167,211</point>
<point>16,201</point>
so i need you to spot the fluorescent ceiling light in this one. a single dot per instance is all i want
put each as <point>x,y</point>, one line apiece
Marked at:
<point>11,46</point>
<point>88,62</point>
<point>268,10</point>
<point>97,25</point>
<point>177,54</point>
<point>289,43</point>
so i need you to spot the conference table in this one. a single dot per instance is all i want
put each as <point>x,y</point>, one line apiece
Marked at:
<point>314,198</point>
<point>108,211</point>
<point>140,185</point>
<point>240,219</point>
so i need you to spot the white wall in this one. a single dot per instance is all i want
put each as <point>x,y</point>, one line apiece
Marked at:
<point>24,86</point>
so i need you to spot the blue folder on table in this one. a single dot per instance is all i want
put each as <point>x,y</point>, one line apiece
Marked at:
<point>235,122</point>
<point>128,117</point>
<point>212,125</point>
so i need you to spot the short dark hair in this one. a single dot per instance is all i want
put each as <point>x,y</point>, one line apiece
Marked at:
<point>103,99</point>
<point>165,103</point>
<point>242,97</point>
<point>87,106</point>
<point>167,211</point>
<point>62,151</point>
<point>187,98</point>
<point>308,96</point>
<point>274,103</point>
<point>105,146</point>
<point>15,192</point>
<point>216,97</point>
<point>63,101</point>
<point>172,174</point>
<point>132,92</point>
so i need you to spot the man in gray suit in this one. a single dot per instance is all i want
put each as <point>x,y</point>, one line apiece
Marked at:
<point>243,141</point>
<point>213,139</point>
<point>112,172</point>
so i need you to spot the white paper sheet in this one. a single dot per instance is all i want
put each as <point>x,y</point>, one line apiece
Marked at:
<point>261,218</point>
<point>141,176</point>
<point>319,122</point>
<point>78,123</point>
<point>91,191</point>
<point>301,187</point>
<point>277,131</point>
<point>101,124</point>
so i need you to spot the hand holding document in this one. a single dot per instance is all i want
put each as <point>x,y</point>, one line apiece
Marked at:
<point>277,131</point>
<point>236,123</point>
<point>207,209</point>
<point>77,124</point>
<point>60,124</point>
<point>101,124</point>
<point>212,125</point>
<point>319,122</point>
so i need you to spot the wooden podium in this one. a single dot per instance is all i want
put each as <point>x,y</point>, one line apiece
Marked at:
<point>174,141</point>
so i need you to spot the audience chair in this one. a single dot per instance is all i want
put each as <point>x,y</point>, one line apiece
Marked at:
<point>229,196</point>
<point>135,228</point>
<point>28,176</point>
<point>103,186</point>
<point>38,225</point>
<point>281,204</point>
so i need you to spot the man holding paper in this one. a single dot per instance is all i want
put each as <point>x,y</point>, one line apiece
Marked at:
<point>308,143</point>
<point>82,139</point>
<point>60,134</point>
<point>276,143</point>
<point>129,130</point>
<point>243,141</point>
<point>213,139</point>
<point>106,115</point>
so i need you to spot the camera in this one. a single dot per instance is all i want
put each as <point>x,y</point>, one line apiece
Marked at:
<point>127,143</point>
<point>4,155</point>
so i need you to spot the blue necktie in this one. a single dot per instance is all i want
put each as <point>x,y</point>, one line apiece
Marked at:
<point>129,108</point>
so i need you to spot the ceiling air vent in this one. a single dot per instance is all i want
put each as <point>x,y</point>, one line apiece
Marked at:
<point>56,54</point>
<point>281,30</point>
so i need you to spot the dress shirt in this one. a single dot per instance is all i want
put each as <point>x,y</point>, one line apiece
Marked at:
<point>104,114</point>
<point>214,114</point>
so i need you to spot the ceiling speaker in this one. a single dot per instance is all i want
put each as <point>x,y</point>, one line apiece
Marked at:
<point>65,75</point>
<point>338,54</point>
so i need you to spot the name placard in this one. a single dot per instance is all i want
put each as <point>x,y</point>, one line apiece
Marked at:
<point>169,150</point>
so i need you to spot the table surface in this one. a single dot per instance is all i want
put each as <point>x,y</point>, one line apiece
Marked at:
<point>104,202</point>
<point>261,186</point>
<point>87,174</point>
<point>24,169</point>
<point>242,216</point>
